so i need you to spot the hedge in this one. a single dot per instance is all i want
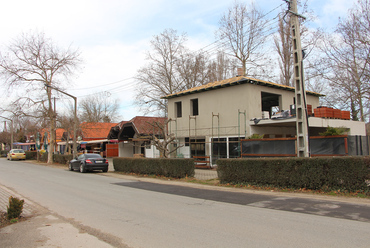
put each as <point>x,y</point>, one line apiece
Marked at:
<point>62,159</point>
<point>57,158</point>
<point>169,167</point>
<point>325,173</point>
<point>31,155</point>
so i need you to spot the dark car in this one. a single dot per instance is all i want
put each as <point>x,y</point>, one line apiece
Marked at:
<point>89,162</point>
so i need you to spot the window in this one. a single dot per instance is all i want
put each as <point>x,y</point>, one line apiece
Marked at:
<point>194,107</point>
<point>178,109</point>
<point>197,147</point>
<point>271,103</point>
<point>219,149</point>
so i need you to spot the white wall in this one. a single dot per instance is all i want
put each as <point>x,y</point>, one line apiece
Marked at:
<point>125,149</point>
<point>226,102</point>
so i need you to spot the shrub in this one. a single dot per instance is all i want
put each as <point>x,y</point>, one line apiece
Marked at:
<point>344,173</point>
<point>333,131</point>
<point>62,159</point>
<point>31,155</point>
<point>4,153</point>
<point>43,156</point>
<point>169,167</point>
<point>15,208</point>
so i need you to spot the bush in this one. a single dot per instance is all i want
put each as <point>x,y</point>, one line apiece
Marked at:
<point>4,153</point>
<point>344,173</point>
<point>43,156</point>
<point>169,167</point>
<point>15,208</point>
<point>62,159</point>
<point>31,155</point>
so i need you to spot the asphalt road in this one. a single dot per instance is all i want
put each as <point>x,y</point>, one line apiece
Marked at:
<point>146,214</point>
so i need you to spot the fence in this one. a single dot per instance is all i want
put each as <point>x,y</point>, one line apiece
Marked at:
<point>342,145</point>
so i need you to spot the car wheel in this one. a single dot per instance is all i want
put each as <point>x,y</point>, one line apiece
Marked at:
<point>70,168</point>
<point>82,168</point>
<point>105,170</point>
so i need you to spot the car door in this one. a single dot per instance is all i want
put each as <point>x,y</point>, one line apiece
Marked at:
<point>76,162</point>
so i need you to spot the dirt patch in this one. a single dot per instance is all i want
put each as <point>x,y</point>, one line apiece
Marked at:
<point>5,222</point>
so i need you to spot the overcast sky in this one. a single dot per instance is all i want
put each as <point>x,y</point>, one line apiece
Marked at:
<point>113,35</point>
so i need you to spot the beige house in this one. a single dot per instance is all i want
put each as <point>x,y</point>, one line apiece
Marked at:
<point>218,114</point>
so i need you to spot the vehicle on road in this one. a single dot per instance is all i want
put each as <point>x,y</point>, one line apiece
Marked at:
<point>89,162</point>
<point>16,154</point>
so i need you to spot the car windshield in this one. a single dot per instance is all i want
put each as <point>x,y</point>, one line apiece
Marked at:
<point>92,156</point>
<point>18,151</point>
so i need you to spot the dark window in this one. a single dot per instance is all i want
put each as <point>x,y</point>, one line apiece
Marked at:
<point>234,147</point>
<point>178,109</point>
<point>198,147</point>
<point>187,141</point>
<point>218,149</point>
<point>194,107</point>
<point>270,103</point>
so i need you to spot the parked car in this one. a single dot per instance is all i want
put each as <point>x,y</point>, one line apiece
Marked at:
<point>88,162</point>
<point>16,154</point>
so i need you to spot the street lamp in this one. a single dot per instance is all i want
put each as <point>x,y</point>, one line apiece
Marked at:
<point>75,119</point>
<point>11,132</point>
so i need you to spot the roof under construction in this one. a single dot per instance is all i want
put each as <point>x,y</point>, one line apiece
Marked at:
<point>232,82</point>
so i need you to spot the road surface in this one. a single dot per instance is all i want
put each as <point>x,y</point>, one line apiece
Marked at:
<point>145,214</point>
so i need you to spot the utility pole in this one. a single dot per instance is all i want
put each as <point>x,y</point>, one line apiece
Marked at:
<point>300,92</point>
<point>75,118</point>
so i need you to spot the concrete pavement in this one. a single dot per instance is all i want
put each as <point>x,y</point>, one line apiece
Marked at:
<point>43,228</point>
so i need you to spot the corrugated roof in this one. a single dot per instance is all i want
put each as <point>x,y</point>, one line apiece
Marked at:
<point>231,82</point>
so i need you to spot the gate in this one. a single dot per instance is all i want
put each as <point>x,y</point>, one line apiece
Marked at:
<point>112,150</point>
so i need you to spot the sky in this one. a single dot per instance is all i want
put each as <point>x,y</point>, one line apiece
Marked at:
<point>113,35</point>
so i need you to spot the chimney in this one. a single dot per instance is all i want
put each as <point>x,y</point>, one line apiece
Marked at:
<point>240,72</point>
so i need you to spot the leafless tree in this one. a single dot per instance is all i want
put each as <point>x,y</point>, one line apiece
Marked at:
<point>99,108</point>
<point>221,68</point>
<point>160,77</point>
<point>33,62</point>
<point>284,47</point>
<point>244,29</point>
<point>172,68</point>
<point>65,122</point>
<point>346,62</point>
<point>164,140</point>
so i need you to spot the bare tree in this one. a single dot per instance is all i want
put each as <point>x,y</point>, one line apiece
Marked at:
<point>173,68</point>
<point>99,108</point>
<point>160,77</point>
<point>164,141</point>
<point>221,68</point>
<point>244,28</point>
<point>33,62</point>
<point>346,62</point>
<point>284,49</point>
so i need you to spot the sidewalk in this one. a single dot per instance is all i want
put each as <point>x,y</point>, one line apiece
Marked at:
<point>41,228</point>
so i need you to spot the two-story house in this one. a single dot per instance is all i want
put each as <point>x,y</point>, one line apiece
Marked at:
<point>209,120</point>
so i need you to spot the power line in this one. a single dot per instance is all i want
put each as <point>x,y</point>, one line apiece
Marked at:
<point>102,85</point>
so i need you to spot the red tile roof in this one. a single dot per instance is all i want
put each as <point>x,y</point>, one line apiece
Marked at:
<point>96,130</point>
<point>59,133</point>
<point>144,124</point>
